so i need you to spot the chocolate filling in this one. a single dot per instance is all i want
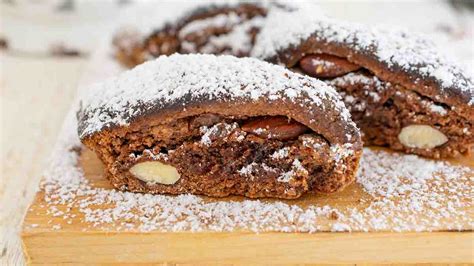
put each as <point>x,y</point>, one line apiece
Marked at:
<point>220,156</point>
<point>381,109</point>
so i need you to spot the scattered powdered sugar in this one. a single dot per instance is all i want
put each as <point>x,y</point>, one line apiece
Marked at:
<point>371,86</point>
<point>353,103</point>
<point>220,130</point>
<point>297,169</point>
<point>341,152</point>
<point>395,48</point>
<point>148,153</point>
<point>248,169</point>
<point>311,143</point>
<point>407,185</point>
<point>437,109</point>
<point>403,193</point>
<point>181,79</point>
<point>251,170</point>
<point>205,138</point>
<point>281,153</point>
<point>369,82</point>
<point>286,176</point>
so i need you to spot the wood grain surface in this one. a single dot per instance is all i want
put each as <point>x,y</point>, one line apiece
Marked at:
<point>248,248</point>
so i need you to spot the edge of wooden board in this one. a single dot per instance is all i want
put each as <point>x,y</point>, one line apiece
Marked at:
<point>247,248</point>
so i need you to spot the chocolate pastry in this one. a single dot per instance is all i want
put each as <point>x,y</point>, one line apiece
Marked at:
<point>401,92</point>
<point>220,126</point>
<point>209,29</point>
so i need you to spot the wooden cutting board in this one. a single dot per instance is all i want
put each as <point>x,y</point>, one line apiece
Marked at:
<point>49,238</point>
<point>78,242</point>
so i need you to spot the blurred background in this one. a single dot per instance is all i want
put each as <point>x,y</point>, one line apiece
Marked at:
<point>46,45</point>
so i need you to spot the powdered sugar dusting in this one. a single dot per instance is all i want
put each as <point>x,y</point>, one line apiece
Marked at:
<point>416,187</point>
<point>179,79</point>
<point>296,169</point>
<point>371,86</point>
<point>395,48</point>
<point>239,40</point>
<point>220,130</point>
<point>356,78</point>
<point>219,21</point>
<point>437,109</point>
<point>248,169</point>
<point>281,153</point>
<point>402,193</point>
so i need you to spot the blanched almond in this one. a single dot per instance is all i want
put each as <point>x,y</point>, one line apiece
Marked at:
<point>421,136</point>
<point>155,172</point>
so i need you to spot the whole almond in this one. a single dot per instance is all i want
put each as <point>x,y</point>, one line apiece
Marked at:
<point>155,172</point>
<point>326,66</point>
<point>275,127</point>
<point>421,136</point>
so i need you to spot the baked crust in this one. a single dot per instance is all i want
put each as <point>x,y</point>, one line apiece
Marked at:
<point>184,85</point>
